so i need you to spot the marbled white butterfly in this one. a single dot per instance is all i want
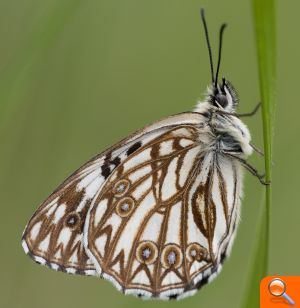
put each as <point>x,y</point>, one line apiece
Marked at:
<point>156,214</point>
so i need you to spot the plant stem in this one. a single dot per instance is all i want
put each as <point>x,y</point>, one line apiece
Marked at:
<point>264,15</point>
<point>265,26</point>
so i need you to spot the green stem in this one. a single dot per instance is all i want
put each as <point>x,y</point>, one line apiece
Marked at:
<point>264,15</point>
<point>265,26</point>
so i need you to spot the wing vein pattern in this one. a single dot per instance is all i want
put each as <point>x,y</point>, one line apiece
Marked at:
<point>155,214</point>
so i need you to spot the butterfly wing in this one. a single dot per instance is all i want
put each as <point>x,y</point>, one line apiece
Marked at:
<point>53,236</point>
<point>162,223</point>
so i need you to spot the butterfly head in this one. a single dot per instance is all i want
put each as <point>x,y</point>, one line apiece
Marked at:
<point>223,96</point>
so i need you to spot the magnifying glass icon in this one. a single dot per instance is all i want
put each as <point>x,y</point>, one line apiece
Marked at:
<point>277,288</point>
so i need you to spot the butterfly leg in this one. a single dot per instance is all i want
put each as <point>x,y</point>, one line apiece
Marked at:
<point>240,115</point>
<point>257,150</point>
<point>253,112</point>
<point>251,169</point>
<point>249,114</point>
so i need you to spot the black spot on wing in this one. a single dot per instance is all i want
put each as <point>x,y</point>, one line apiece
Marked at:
<point>133,148</point>
<point>107,157</point>
<point>173,296</point>
<point>80,272</point>
<point>105,170</point>
<point>109,166</point>
<point>116,161</point>
<point>202,282</point>
<point>223,257</point>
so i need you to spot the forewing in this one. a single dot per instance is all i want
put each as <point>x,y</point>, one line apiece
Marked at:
<point>53,236</point>
<point>162,223</point>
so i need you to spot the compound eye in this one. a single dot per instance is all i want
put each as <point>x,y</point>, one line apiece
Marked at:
<point>221,100</point>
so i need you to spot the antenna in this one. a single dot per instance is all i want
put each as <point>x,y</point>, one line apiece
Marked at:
<point>208,44</point>
<point>220,51</point>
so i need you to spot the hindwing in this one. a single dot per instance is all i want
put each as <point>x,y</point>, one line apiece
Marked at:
<point>53,236</point>
<point>162,223</point>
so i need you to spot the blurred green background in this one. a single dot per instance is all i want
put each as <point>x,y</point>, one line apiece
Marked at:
<point>77,76</point>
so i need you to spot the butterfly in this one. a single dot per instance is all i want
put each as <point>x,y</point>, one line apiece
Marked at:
<point>157,213</point>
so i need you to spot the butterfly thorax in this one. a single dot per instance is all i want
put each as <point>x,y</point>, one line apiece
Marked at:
<point>228,134</point>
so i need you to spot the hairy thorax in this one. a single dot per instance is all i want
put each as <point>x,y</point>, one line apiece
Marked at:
<point>227,134</point>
